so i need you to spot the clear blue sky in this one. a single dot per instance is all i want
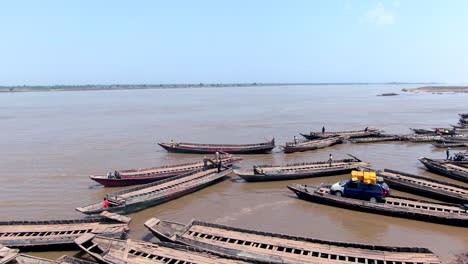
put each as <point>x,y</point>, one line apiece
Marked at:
<point>130,42</point>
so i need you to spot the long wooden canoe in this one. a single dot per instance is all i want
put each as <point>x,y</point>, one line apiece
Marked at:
<point>258,245</point>
<point>54,233</point>
<point>114,251</point>
<point>142,176</point>
<point>291,147</point>
<point>377,138</point>
<point>212,148</point>
<point>450,170</point>
<point>424,186</point>
<point>151,194</point>
<point>348,134</point>
<point>299,171</point>
<point>463,115</point>
<point>442,213</point>
<point>448,144</point>
<point>421,138</point>
<point>424,131</point>
<point>28,259</point>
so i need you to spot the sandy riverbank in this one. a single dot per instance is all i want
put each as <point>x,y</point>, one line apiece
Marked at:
<point>438,89</point>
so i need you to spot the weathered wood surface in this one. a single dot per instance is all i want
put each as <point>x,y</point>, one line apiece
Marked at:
<point>212,148</point>
<point>378,138</point>
<point>288,249</point>
<point>443,213</point>
<point>302,170</point>
<point>447,169</point>
<point>348,134</point>
<point>59,232</point>
<point>425,186</point>
<point>113,251</point>
<point>311,144</point>
<point>151,194</point>
<point>7,254</point>
<point>27,259</point>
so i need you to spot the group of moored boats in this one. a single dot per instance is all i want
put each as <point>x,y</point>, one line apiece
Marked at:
<point>104,235</point>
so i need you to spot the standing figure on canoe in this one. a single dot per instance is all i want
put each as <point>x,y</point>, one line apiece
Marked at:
<point>330,160</point>
<point>323,129</point>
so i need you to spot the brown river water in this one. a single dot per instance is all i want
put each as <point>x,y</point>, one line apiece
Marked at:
<point>51,141</point>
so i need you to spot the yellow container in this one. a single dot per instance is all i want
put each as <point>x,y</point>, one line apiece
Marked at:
<point>357,175</point>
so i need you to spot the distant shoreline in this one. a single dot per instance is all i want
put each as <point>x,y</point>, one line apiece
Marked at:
<point>51,88</point>
<point>439,89</point>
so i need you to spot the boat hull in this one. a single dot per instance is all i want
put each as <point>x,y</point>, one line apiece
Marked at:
<point>211,150</point>
<point>284,177</point>
<point>362,207</point>
<point>437,168</point>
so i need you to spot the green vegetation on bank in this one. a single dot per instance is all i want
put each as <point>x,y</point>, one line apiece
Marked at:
<point>46,88</point>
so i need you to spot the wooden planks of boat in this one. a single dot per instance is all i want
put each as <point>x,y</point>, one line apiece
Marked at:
<point>54,233</point>
<point>349,134</point>
<point>212,148</point>
<point>427,187</point>
<point>7,254</point>
<point>258,245</point>
<point>377,138</point>
<point>28,259</point>
<point>299,171</point>
<point>114,251</point>
<point>291,147</point>
<point>151,194</point>
<point>442,213</point>
<point>421,138</point>
<point>142,176</point>
<point>445,144</point>
<point>447,169</point>
<point>424,131</point>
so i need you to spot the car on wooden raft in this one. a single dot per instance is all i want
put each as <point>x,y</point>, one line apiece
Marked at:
<point>363,186</point>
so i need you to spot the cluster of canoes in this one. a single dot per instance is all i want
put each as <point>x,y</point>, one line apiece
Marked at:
<point>103,235</point>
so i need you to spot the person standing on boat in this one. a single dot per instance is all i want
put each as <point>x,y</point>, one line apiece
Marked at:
<point>105,203</point>
<point>323,129</point>
<point>365,130</point>
<point>219,166</point>
<point>330,160</point>
<point>295,140</point>
<point>217,155</point>
<point>172,143</point>
<point>448,153</point>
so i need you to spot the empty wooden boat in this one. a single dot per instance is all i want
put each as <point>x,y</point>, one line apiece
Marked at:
<point>442,213</point>
<point>291,147</point>
<point>114,251</point>
<point>151,194</point>
<point>421,138</point>
<point>348,134</point>
<point>28,259</point>
<point>424,186</point>
<point>301,170</point>
<point>424,131</point>
<point>447,169</point>
<point>7,254</point>
<point>142,176</point>
<point>213,148</point>
<point>258,245</point>
<point>377,138</point>
<point>44,233</point>
<point>449,144</point>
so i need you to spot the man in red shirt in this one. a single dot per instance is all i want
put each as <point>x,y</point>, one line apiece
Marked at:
<point>106,203</point>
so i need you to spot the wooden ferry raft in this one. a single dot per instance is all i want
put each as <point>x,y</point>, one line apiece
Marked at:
<point>258,245</point>
<point>377,138</point>
<point>350,134</point>
<point>213,148</point>
<point>44,233</point>
<point>447,169</point>
<point>298,171</point>
<point>113,251</point>
<point>151,194</point>
<point>442,213</point>
<point>425,186</point>
<point>7,254</point>
<point>147,175</point>
<point>311,144</point>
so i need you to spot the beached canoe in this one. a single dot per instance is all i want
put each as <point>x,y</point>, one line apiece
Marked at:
<point>258,245</point>
<point>152,194</point>
<point>114,251</point>
<point>442,213</point>
<point>349,134</point>
<point>299,171</point>
<point>446,169</point>
<point>213,148</point>
<point>291,147</point>
<point>142,176</point>
<point>58,234</point>
<point>424,186</point>
<point>377,138</point>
